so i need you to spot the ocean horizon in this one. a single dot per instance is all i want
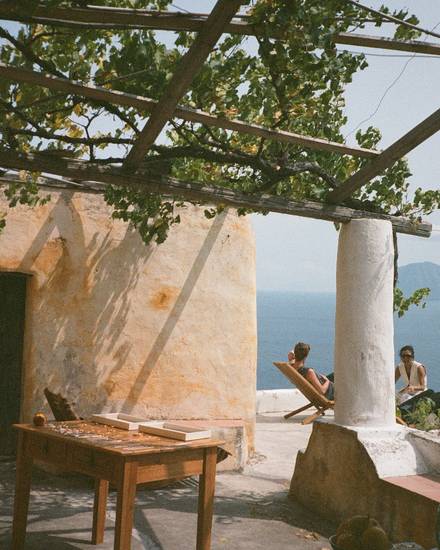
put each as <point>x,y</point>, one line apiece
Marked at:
<point>286,317</point>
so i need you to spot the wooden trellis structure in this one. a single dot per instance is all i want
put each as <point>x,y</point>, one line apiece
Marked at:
<point>93,177</point>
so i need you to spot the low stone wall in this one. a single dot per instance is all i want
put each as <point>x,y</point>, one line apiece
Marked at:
<point>279,400</point>
<point>428,445</point>
<point>343,472</point>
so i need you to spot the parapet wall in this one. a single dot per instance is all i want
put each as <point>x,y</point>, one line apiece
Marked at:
<point>281,400</point>
<point>345,472</point>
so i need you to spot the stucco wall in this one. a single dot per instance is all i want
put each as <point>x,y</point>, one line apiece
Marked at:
<point>166,331</point>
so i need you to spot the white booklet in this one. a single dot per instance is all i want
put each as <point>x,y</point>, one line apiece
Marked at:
<point>118,420</point>
<point>174,430</point>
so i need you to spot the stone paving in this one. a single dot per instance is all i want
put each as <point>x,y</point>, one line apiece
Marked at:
<point>252,510</point>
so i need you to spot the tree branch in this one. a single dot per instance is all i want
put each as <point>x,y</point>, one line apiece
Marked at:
<point>30,55</point>
<point>50,68</point>
<point>94,141</point>
<point>9,107</point>
<point>238,158</point>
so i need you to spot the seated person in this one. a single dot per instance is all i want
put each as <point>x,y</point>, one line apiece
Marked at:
<point>320,382</point>
<point>413,375</point>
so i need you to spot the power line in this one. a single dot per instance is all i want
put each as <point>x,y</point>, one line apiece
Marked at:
<point>179,8</point>
<point>381,99</point>
<point>389,87</point>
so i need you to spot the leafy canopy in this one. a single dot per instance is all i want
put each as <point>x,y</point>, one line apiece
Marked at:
<point>295,83</point>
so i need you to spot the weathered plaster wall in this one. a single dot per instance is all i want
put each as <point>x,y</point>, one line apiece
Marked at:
<point>166,331</point>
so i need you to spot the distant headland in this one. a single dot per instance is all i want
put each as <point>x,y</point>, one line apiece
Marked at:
<point>419,275</point>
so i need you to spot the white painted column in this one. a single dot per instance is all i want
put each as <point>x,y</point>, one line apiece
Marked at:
<point>364,349</point>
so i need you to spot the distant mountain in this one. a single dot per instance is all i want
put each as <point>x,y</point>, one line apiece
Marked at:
<point>419,275</point>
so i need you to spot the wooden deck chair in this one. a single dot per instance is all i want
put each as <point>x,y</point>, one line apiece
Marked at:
<point>315,398</point>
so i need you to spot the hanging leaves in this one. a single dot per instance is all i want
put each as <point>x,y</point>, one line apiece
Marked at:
<point>295,83</point>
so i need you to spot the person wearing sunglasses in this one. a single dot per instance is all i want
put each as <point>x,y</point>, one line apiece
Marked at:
<point>413,375</point>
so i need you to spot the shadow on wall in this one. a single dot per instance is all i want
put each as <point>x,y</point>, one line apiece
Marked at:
<point>78,312</point>
<point>174,316</point>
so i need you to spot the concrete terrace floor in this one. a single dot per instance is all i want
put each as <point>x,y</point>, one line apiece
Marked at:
<point>252,510</point>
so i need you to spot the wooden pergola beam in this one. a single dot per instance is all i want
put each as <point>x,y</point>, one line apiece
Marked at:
<point>98,17</point>
<point>107,174</point>
<point>52,183</point>
<point>384,43</point>
<point>187,69</point>
<point>388,157</point>
<point>192,115</point>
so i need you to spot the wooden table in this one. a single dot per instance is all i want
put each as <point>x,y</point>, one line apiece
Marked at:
<point>121,458</point>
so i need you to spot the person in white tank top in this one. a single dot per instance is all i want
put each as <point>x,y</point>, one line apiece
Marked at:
<point>412,373</point>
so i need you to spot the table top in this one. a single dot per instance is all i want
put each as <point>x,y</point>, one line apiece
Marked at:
<point>113,440</point>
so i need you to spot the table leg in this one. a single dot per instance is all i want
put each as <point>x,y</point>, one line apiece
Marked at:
<point>206,499</point>
<point>22,491</point>
<point>126,487</point>
<point>99,509</point>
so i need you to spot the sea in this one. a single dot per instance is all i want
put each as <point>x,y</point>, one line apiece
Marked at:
<point>285,318</point>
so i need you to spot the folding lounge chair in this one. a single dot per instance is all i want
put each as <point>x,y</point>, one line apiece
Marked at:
<point>315,398</point>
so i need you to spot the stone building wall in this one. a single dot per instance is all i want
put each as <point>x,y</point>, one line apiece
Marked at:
<point>165,331</point>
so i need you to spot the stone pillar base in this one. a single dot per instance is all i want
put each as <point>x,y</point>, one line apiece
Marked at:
<point>342,473</point>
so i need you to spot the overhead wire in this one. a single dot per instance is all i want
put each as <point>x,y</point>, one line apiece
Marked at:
<point>381,99</point>
<point>180,8</point>
<point>389,87</point>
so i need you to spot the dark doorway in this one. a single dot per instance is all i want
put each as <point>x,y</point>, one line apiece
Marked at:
<point>12,312</point>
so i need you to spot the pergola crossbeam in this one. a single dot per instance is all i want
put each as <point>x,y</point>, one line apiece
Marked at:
<point>99,17</point>
<point>388,157</point>
<point>52,183</point>
<point>385,43</point>
<point>106,174</point>
<point>185,113</point>
<point>187,69</point>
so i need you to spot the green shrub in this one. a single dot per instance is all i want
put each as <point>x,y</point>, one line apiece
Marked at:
<point>424,416</point>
